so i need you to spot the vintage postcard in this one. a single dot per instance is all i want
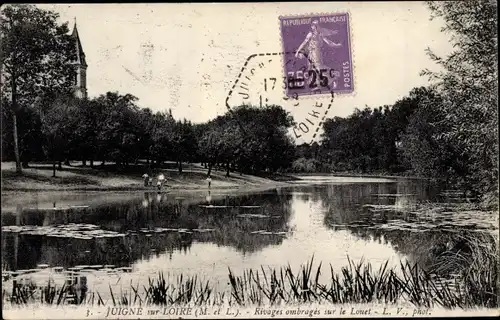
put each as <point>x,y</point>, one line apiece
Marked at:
<point>249,160</point>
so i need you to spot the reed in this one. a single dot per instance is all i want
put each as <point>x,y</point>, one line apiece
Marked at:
<point>476,285</point>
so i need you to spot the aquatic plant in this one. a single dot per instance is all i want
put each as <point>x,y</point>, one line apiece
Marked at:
<point>474,286</point>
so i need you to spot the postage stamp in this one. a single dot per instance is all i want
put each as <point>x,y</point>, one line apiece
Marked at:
<point>318,53</point>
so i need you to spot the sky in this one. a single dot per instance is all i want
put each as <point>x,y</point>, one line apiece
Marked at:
<point>186,57</point>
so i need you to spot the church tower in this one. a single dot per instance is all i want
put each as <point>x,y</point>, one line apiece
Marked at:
<point>80,80</point>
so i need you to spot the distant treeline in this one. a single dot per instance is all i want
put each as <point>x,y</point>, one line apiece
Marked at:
<point>388,139</point>
<point>447,131</point>
<point>113,128</point>
<point>416,136</point>
<point>399,139</point>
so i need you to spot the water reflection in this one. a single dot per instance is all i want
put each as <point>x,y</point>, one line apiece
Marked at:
<point>206,233</point>
<point>388,213</point>
<point>229,221</point>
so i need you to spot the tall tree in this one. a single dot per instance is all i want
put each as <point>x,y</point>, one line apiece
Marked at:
<point>185,143</point>
<point>468,87</point>
<point>209,143</point>
<point>264,144</point>
<point>59,120</point>
<point>163,134</point>
<point>84,142</point>
<point>36,54</point>
<point>119,127</point>
<point>420,145</point>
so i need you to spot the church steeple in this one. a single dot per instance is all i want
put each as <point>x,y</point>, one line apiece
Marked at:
<point>80,66</point>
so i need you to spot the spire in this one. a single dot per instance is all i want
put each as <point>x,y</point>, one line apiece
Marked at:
<point>75,29</point>
<point>80,55</point>
<point>80,88</point>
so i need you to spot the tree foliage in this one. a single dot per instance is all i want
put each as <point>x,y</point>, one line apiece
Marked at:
<point>468,87</point>
<point>369,140</point>
<point>36,55</point>
<point>250,138</point>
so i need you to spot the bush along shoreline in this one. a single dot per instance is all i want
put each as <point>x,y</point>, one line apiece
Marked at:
<point>475,286</point>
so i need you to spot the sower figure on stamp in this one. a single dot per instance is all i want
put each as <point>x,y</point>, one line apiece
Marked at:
<point>314,39</point>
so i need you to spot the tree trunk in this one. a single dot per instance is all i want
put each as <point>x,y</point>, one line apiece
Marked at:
<point>54,168</point>
<point>14,125</point>
<point>209,169</point>
<point>59,165</point>
<point>227,169</point>
<point>103,163</point>
<point>180,166</point>
<point>84,163</point>
<point>91,163</point>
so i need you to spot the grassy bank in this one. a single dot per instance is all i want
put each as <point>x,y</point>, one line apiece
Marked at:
<point>386,175</point>
<point>38,177</point>
<point>75,177</point>
<point>474,285</point>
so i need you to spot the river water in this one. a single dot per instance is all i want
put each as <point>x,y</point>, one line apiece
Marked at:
<point>118,238</point>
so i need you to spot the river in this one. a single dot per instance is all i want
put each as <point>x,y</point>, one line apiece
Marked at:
<point>118,238</point>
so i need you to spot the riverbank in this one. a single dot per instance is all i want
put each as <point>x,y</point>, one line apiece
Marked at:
<point>37,188</point>
<point>38,177</point>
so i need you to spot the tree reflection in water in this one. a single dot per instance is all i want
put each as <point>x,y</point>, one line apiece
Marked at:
<point>137,220</point>
<point>231,221</point>
<point>345,207</point>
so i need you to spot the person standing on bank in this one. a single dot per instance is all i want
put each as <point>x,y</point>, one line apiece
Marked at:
<point>146,179</point>
<point>209,180</point>
<point>161,181</point>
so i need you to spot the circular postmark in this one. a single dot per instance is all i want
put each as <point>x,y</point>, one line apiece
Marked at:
<point>261,83</point>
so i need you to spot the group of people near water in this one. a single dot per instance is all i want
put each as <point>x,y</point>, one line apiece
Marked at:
<point>160,180</point>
